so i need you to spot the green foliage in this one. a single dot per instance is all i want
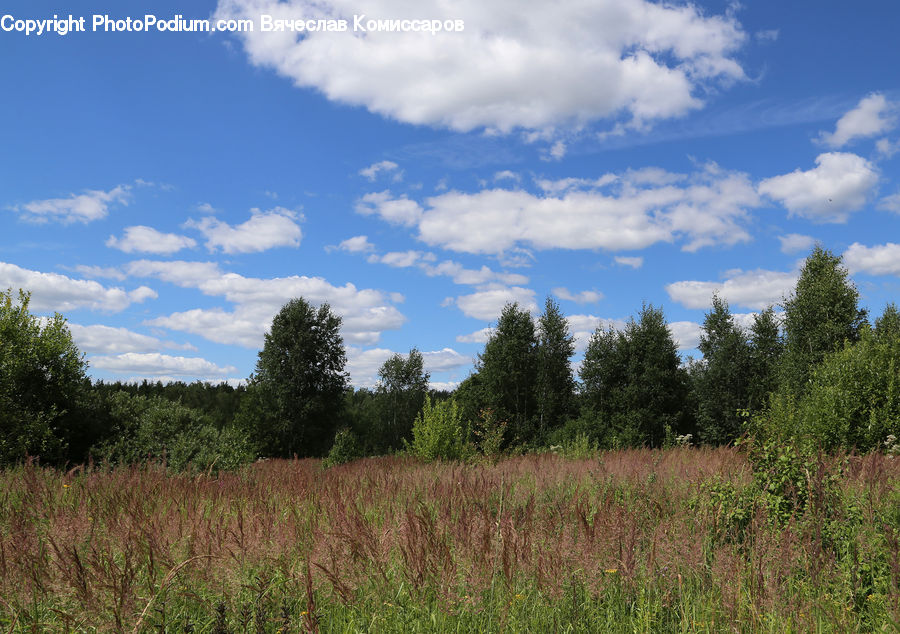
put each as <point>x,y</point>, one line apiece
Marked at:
<point>346,448</point>
<point>766,349</point>
<point>489,432</point>
<point>633,383</point>
<point>439,433</point>
<point>722,380</point>
<point>819,316</point>
<point>295,398</point>
<point>154,429</point>
<point>507,370</point>
<point>554,382</point>
<point>42,384</point>
<point>402,386</point>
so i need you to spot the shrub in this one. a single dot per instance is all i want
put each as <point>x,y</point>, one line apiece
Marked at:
<point>42,382</point>
<point>439,433</point>
<point>346,448</point>
<point>158,430</point>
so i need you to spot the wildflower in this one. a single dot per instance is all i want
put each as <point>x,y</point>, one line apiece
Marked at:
<point>611,571</point>
<point>65,486</point>
<point>520,596</point>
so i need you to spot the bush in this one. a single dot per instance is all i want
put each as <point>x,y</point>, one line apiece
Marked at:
<point>439,433</point>
<point>851,401</point>
<point>346,448</point>
<point>42,383</point>
<point>158,430</point>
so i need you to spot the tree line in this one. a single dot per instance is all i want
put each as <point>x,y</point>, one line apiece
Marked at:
<point>817,370</point>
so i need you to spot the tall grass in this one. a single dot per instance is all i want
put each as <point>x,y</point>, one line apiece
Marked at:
<point>630,540</point>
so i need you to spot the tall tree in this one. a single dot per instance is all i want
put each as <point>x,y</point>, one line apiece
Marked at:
<point>722,383</point>
<point>819,316</point>
<point>766,348</point>
<point>634,383</point>
<point>554,383</point>
<point>507,370</point>
<point>402,386</point>
<point>295,397</point>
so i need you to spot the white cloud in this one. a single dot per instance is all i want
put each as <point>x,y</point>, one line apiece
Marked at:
<point>634,262</point>
<point>402,259</point>
<point>872,116</point>
<point>686,334</point>
<point>155,364</point>
<point>887,148</point>
<point>507,175</point>
<point>371,172</point>
<point>55,292</point>
<point>479,336</point>
<point>487,304</point>
<point>584,297</point>
<point>445,360</point>
<point>148,240</point>
<point>107,340</point>
<point>365,312</point>
<point>796,243</point>
<point>708,209</point>
<point>86,207</point>
<point>883,259</point>
<point>396,211</point>
<point>890,203</point>
<point>357,244</point>
<point>553,64</point>
<point>837,186</point>
<point>265,230</point>
<point>473,277</point>
<point>754,289</point>
<point>107,272</point>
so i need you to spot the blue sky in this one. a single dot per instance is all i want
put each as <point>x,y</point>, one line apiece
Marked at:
<point>169,191</point>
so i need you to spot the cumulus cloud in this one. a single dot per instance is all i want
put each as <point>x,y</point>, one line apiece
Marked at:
<point>155,364</point>
<point>583,326</point>
<point>106,339</point>
<point>583,297</point>
<point>753,289</point>
<point>872,116</point>
<point>632,211</point>
<point>445,360</point>
<point>402,259</point>
<point>550,65</point>
<point>686,334</point>
<point>400,211</point>
<point>365,312</point>
<point>883,259</point>
<point>55,292</point>
<point>356,244</point>
<point>92,205</point>
<point>488,303</point>
<point>838,185</point>
<point>148,240</point>
<point>371,172</point>
<point>103,272</point>
<point>479,336</point>
<point>796,243</point>
<point>634,262</point>
<point>264,230</point>
<point>890,203</point>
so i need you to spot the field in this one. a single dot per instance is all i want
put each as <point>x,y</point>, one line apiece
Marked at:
<point>680,540</point>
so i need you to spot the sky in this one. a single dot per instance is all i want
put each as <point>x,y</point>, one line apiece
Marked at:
<point>167,191</point>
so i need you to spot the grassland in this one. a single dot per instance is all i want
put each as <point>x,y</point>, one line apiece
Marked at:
<point>682,540</point>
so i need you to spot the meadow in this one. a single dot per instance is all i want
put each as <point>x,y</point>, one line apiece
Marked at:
<point>680,540</point>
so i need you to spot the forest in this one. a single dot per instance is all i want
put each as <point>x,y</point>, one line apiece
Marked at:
<point>817,370</point>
